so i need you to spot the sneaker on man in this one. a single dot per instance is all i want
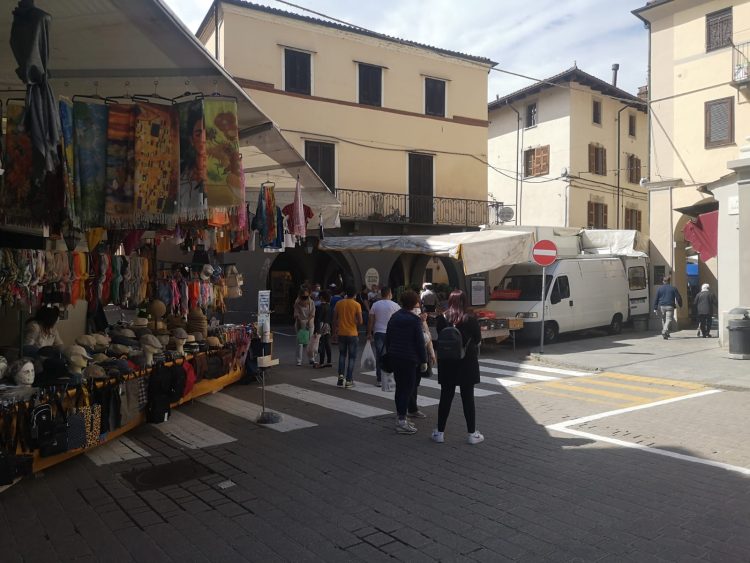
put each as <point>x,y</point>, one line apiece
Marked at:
<point>416,414</point>
<point>299,362</point>
<point>475,438</point>
<point>349,384</point>
<point>438,437</point>
<point>340,382</point>
<point>405,427</point>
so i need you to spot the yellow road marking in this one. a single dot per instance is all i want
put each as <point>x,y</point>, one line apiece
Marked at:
<point>655,380</point>
<point>601,392</point>
<point>569,396</point>
<point>654,390</point>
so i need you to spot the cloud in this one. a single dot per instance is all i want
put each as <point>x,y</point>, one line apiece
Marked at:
<point>538,38</point>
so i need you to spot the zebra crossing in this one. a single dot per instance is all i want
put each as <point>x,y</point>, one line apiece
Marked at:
<point>322,392</point>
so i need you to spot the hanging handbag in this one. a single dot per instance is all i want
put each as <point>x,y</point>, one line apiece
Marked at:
<point>77,424</point>
<point>93,419</point>
<point>57,441</point>
<point>130,408</point>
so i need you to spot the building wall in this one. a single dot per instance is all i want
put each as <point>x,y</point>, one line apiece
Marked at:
<point>542,202</point>
<point>372,144</point>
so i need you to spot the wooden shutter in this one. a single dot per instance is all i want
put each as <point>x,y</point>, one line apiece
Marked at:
<point>604,162</point>
<point>719,122</point>
<point>638,220</point>
<point>528,163</point>
<point>543,160</point>
<point>591,213</point>
<point>605,221</point>
<point>592,158</point>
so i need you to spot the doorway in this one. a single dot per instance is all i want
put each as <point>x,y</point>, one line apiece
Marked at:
<point>420,188</point>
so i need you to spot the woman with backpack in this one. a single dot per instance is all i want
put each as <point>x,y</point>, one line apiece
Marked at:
<point>458,342</point>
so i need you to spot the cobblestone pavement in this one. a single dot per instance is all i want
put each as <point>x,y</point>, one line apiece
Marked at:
<point>333,482</point>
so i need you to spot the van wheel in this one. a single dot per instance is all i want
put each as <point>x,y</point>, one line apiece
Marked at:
<point>615,327</point>
<point>551,332</point>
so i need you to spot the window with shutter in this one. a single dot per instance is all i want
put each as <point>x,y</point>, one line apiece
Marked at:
<point>597,213</point>
<point>719,122</point>
<point>434,92</point>
<point>631,125</point>
<point>597,160</point>
<point>632,219</point>
<point>543,154</point>
<point>531,115</point>
<point>634,169</point>
<point>719,30</point>
<point>297,72</point>
<point>370,85</point>
<point>592,158</point>
<point>536,161</point>
<point>597,112</point>
<point>322,158</point>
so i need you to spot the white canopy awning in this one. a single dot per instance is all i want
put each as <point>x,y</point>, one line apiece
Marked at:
<point>126,47</point>
<point>478,251</point>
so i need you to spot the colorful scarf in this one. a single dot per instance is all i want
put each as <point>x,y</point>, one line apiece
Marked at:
<point>17,185</point>
<point>192,195</point>
<point>90,123</point>
<point>119,201</point>
<point>224,164</point>
<point>72,197</point>
<point>157,163</point>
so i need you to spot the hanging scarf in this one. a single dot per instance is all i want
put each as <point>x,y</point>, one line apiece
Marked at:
<point>116,279</point>
<point>157,163</point>
<point>17,185</point>
<point>72,198</point>
<point>119,201</point>
<point>192,195</point>
<point>90,124</point>
<point>223,163</point>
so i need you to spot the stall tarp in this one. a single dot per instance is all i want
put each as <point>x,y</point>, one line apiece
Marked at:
<point>612,242</point>
<point>703,234</point>
<point>478,251</point>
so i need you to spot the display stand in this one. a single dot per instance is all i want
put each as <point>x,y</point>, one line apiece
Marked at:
<point>266,361</point>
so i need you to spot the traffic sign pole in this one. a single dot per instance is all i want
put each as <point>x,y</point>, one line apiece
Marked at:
<point>544,279</point>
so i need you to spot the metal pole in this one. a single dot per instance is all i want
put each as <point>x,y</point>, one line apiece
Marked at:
<point>544,279</point>
<point>619,166</point>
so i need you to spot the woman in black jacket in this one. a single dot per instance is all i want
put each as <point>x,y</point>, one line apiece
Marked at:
<point>462,372</point>
<point>404,344</point>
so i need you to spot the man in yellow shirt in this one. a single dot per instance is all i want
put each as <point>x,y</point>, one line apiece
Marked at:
<point>347,316</point>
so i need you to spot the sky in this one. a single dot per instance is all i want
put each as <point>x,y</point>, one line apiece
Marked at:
<point>537,38</point>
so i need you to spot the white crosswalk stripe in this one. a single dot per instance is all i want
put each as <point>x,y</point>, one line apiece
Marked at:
<point>422,401</point>
<point>119,449</point>
<point>521,374</point>
<point>433,384</point>
<point>191,433</point>
<point>339,404</point>
<point>251,411</point>
<point>534,367</point>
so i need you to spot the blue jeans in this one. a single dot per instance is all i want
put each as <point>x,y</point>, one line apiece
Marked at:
<point>379,342</point>
<point>347,347</point>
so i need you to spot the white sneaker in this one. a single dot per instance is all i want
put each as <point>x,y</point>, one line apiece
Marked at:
<point>475,438</point>
<point>299,362</point>
<point>438,437</point>
<point>405,427</point>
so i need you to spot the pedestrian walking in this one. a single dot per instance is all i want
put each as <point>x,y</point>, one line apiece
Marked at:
<point>323,330</point>
<point>428,298</point>
<point>364,302</point>
<point>407,355</point>
<point>380,313</point>
<point>304,319</point>
<point>667,298</point>
<point>457,351</point>
<point>347,317</point>
<point>705,305</point>
<point>413,409</point>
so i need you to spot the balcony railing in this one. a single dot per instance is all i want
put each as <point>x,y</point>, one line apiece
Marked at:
<point>741,64</point>
<point>416,209</point>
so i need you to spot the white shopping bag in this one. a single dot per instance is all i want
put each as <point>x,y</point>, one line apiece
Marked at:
<point>368,358</point>
<point>387,383</point>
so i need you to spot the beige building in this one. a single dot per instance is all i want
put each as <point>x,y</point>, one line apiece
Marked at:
<point>379,118</point>
<point>699,112</point>
<point>570,151</point>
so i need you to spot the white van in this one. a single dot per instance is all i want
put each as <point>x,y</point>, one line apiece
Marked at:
<point>581,293</point>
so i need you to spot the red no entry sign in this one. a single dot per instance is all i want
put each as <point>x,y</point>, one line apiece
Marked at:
<point>544,252</point>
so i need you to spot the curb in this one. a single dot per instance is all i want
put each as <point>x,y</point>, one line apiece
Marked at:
<point>541,359</point>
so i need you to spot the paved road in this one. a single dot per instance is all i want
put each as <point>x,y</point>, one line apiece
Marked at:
<point>577,466</point>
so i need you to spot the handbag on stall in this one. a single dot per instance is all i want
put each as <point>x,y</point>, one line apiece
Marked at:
<point>57,441</point>
<point>130,405</point>
<point>77,424</point>
<point>12,464</point>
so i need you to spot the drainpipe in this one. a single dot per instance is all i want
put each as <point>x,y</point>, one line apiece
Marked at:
<point>619,157</point>
<point>518,148</point>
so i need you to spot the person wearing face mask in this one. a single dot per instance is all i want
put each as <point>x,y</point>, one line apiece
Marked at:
<point>304,319</point>
<point>413,409</point>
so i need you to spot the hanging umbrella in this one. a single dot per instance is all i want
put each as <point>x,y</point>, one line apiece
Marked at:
<point>29,40</point>
<point>297,222</point>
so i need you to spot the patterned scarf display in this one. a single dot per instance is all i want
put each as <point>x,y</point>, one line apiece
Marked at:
<point>119,202</point>
<point>224,165</point>
<point>192,197</point>
<point>72,197</point>
<point>90,123</point>
<point>157,163</point>
<point>17,185</point>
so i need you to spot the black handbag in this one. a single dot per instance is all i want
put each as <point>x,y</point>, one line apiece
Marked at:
<point>12,464</point>
<point>77,425</point>
<point>57,441</point>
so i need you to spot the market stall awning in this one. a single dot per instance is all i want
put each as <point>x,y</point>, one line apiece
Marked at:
<point>703,234</point>
<point>478,251</point>
<point>126,47</point>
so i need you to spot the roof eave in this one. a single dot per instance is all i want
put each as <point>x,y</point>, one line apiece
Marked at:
<point>638,13</point>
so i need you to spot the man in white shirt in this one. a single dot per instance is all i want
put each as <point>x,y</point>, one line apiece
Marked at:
<point>380,313</point>
<point>429,298</point>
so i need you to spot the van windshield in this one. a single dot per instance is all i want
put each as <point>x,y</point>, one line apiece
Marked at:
<point>521,288</point>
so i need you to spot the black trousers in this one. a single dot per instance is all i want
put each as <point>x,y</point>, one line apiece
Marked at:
<point>413,407</point>
<point>704,322</point>
<point>405,375</point>
<point>324,349</point>
<point>447,392</point>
